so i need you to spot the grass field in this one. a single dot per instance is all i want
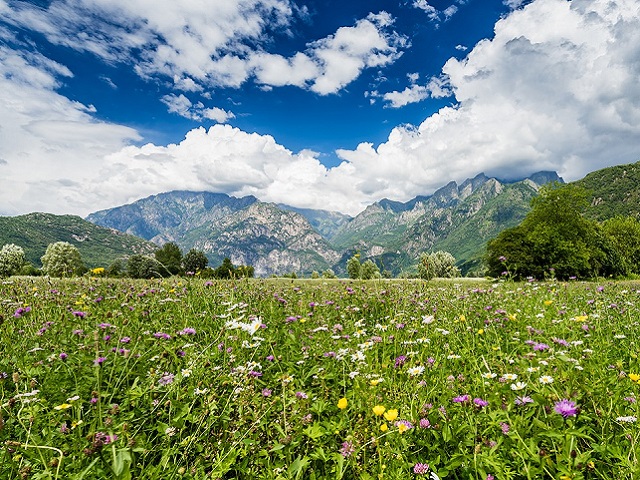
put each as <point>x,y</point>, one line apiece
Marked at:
<point>274,379</point>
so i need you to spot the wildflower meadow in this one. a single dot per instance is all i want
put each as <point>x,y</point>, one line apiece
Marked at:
<point>282,379</point>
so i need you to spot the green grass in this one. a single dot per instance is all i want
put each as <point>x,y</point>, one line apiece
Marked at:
<point>124,379</point>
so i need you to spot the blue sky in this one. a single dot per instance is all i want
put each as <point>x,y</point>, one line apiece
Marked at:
<point>318,104</point>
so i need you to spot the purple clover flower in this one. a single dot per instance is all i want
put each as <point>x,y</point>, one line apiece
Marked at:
<point>421,468</point>
<point>347,449</point>
<point>461,399</point>
<point>166,379</point>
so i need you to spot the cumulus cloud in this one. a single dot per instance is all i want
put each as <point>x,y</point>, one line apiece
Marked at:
<point>436,15</point>
<point>219,46</point>
<point>333,62</point>
<point>555,89</point>
<point>435,88</point>
<point>50,146</point>
<point>181,105</point>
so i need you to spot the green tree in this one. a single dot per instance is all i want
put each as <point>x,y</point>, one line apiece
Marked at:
<point>437,264</point>
<point>143,266</point>
<point>354,266</point>
<point>195,261</point>
<point>62,259</point>
<point>225,270</point>
<point>11,259</point>
<point>553,239</point>
<point>369,270</point>
<point>170,258</point>
<point>624,235</point>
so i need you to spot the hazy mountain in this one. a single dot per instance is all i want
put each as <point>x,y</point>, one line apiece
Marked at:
<point>249,232</point>
<point>99,246</point>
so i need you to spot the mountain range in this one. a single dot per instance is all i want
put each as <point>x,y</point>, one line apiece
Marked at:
<point>278,239</point>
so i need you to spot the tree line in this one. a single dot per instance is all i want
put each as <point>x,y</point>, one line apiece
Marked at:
<point>61,259</point>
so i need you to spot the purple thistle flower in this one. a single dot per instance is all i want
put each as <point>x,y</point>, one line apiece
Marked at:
<point>79,314</point>
<point>540,346</point>
<point>301,395</point>
<point>187,331</point>
<point>125,340</point>
<point>63,356</point>
<point>162,335</point>
<point>480,402</point>
<point>78,332</point>
<point>104,326</point>
<point>421,468</point>
<point>566,408</point>
<point>400,361</point>
<point>99,361</point>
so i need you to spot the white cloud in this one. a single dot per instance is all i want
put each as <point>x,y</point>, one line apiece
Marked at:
<point>436,15</point>
<point>435,88</point>
<point>430,10</point>
<point>556,89</point>
<point>51,147</point>
<point>220,45</point>
<point>181,105</point>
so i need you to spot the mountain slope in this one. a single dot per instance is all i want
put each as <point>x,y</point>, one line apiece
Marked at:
<point>98,246</point>
<point>249,232</point>
<point>613,191</point>
<point>456,218</point>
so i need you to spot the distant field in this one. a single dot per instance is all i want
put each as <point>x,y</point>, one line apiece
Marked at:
<point>279,379</point>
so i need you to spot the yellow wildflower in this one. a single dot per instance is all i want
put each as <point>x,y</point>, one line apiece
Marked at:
<point>634,377</point>
<point>391,415</point>
<point>64,406</point>
<point>480,331</point>
<point>402,427</point>
<point>379,410</point>
<point>548,302</point>
<point>342,403</point>
<point>384,427</point>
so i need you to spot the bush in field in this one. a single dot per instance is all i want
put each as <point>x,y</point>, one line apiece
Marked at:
<point>62,260</point>
<point>329,273</point>
<point>142,266</point>
<point>437,264</point>
<point>11,259</point>
<point>169,256</point>
<point>194,261</point>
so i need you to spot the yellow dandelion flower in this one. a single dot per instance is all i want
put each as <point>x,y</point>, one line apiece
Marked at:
<point>634,377</point>
<point>391,415</point>
<point>378,410</point>
<point>342,403</point>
